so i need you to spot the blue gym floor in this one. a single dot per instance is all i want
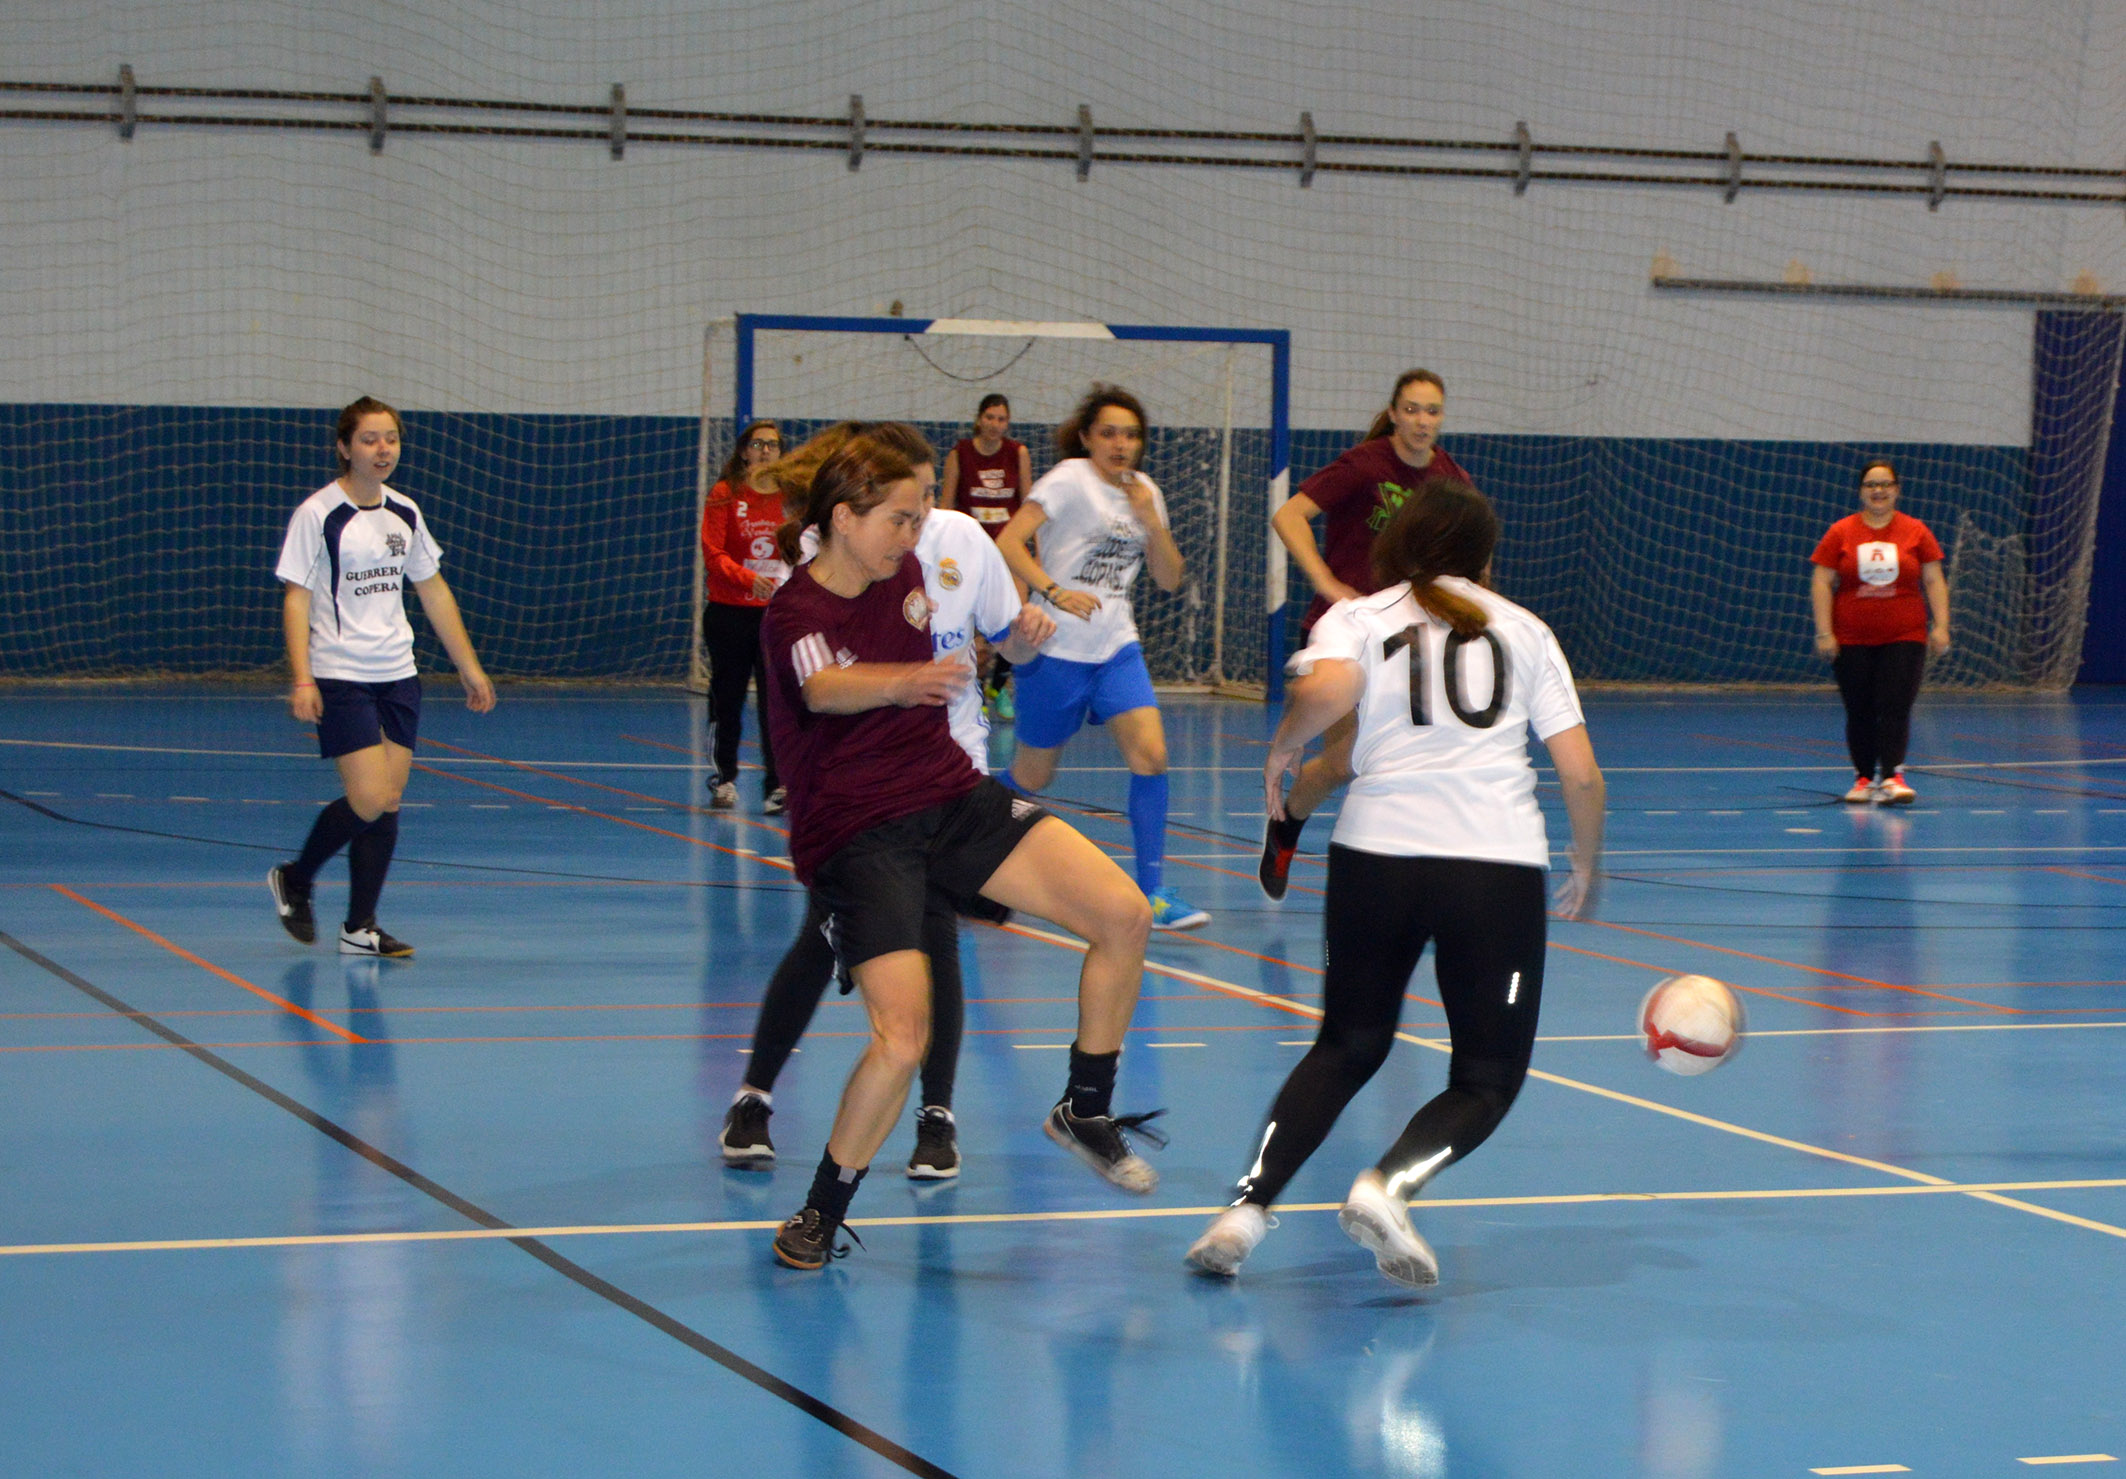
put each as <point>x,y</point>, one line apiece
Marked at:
<point>267,1211</point>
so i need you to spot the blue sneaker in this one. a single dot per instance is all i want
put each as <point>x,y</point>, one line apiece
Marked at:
<point>1172,912</point>
<point>1001,708</point>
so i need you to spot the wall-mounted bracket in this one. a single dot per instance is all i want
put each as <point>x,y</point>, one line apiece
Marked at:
<point>379,124</point>
<point>1524,147</point>
<point>1938,172</point>
<point>616,128</point>
<point>1734,168</point>
<point>856,130</point>
<point>1085,141</point>
<point>1309,143</point>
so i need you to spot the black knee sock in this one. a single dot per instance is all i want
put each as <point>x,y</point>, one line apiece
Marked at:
<point>1287,831</point>
<point>793,995</point>
<point>335,826</point>
<point>368,860</point>
<point>832,1187</point>
<point>1091,1090</point>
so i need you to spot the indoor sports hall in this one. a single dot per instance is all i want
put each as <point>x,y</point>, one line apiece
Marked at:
<point>1688,280</point>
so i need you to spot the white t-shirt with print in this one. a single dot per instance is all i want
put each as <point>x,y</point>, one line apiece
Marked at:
<point>1443,771</point>
<point>355,562</point>
<point>971,592</point>
<point>1093,542</point>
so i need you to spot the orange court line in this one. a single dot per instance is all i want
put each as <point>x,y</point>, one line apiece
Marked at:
<point>555,775</point>
<point>1797,966</point>
<point>2077,873</point>
<point>209,966</point>
<point>601,815</point>
<point>1752,990</point>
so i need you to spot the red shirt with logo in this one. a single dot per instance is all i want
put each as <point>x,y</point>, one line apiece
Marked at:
<point>847,773</point>
<point>1357,494</point>
<point>1878,598</point>
<point>987,488</point>
<point>738,542</point>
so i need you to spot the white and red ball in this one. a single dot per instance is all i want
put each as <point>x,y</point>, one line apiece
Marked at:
<point>1692,1024</point>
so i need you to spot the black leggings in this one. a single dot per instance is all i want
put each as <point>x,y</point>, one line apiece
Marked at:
<point>795,990</point>
<point>1879,685</point>
<point>1487,925</point>
<point>732,636</point>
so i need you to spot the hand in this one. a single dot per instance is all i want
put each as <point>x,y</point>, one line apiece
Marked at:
<point>1081,604</point>
<point>1283,760</point>
<point>1937,642</point>
<point>764,586</point>
<point>1575,897</point>
<point>1033,626</point>
<point>1826,647</point>
<point>479,690</point>
<point>306,703</point>
<point>934,683</point>
<point>1139,492</point>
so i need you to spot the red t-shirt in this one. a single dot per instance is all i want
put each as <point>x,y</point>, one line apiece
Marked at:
<point>738,541</point>
<point>1358,493</point>
<point>847,773</point>
<point>987,488</point>
<point>1878,596</point>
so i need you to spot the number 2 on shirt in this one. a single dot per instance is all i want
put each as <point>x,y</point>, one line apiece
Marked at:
<point>1411,639</point>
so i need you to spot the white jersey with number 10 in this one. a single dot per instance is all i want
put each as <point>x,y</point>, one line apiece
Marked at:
<point>1442,749</point>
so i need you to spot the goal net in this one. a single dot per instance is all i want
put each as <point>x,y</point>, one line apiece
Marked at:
<point>1217,442</point>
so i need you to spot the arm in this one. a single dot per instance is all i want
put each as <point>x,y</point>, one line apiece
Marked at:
<point>1022,642</point>
<point>878,685</point>
<point>1015,544</point>
<point>1586,796</point>
<point>1312,702</point>
<point>716,556</point>
<point>1823,583</point>
<point>949,480</point>
<point>1293,523</point>
<point>1025,472</point>
<point>1936,586</point>
<point>442,609</point>
<point>1161,555</point>
<point>304,701</point>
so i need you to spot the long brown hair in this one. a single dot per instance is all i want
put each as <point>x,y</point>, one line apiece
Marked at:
<point>351,418</point>
<point>850,462</point>
<point>1383,420</point>
<point>734,466</point>
<point>1070,434</point>
<point>1445,527</point>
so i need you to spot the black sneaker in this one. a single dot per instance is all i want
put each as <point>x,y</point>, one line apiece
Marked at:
<point>1101,1143</point>
<point>1279,841</point>
<point>292,905</point>
<point>806,1241</point>
<point>937,1147</point>
<point>745,1142</point>
<point>367,939</point>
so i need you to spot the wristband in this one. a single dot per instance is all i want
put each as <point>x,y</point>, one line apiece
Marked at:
<point>1049,595</point>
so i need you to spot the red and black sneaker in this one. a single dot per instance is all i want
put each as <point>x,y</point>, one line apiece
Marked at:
<point>1280,840</point>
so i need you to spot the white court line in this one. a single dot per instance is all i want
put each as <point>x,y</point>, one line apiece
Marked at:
<point>1853,1031</point>
<point>1820,852</point>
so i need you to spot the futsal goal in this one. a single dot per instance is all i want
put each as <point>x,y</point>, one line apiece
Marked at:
<point>1219,444</point>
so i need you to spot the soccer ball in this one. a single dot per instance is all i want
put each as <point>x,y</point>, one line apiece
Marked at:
<point>1692,1024</point>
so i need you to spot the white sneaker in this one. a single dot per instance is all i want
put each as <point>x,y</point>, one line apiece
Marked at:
<point>1228,1241</point>
<point>724,797</point>
<point>1894,792</point>
<point>1380,1223</point>
<point>1862,793</point>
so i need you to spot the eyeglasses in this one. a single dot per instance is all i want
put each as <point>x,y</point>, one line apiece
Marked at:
<point>1877,487</point>
<point>763,444</point>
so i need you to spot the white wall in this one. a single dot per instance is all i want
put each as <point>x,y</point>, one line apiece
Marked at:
<point>227,267</point>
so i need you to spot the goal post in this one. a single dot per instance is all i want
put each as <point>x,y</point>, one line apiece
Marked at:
<point>1219,403</point>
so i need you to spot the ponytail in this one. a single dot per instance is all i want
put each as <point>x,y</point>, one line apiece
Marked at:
<point>850,462</point>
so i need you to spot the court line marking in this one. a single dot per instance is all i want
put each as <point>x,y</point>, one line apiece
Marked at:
<point>602,815</point>
<point>984,1219</point>
<point>2070,1458</point>
<point>211,968</point>
<point>524,1242</point>
<point>1864,1469</point>
<point>1437,1045</point>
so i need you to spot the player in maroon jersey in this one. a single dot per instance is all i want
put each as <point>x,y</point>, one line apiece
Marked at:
<point>986,476</point>
<point>1358,492</point>
<point>889,820</point>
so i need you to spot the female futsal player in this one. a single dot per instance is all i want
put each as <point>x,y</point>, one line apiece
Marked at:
<point>1099,520</point>
<point>971,593</point>
<point>738,526</point>
<point>1439,840</point>
<point>888,814</point>
<point>1873,628</point>
<point>351,546</point>
<point>1359,492</point>
<point>987,475</point>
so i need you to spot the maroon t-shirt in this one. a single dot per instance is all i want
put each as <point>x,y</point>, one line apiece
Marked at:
<point>847,773</point>
<point>1358,493</point>
<point>987,488</point>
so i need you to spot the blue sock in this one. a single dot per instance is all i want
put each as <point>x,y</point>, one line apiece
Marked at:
<point>1147,828</point>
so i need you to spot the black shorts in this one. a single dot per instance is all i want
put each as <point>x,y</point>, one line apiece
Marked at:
<point>876,887</point>
<point>358,715</point>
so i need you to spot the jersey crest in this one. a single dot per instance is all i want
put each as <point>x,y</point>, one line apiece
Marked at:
<point>396,543</point>
<point>917,609</point>
<point>949,573</point>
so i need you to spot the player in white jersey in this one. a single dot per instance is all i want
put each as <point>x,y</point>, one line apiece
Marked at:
<point>971,593</point>
<point>351,549</point>
<point>1098,520</point>
<point>1439,841</point>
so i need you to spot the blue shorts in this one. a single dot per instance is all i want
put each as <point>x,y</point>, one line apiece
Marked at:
<point>1057,695</point>
<point>359,715</point>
